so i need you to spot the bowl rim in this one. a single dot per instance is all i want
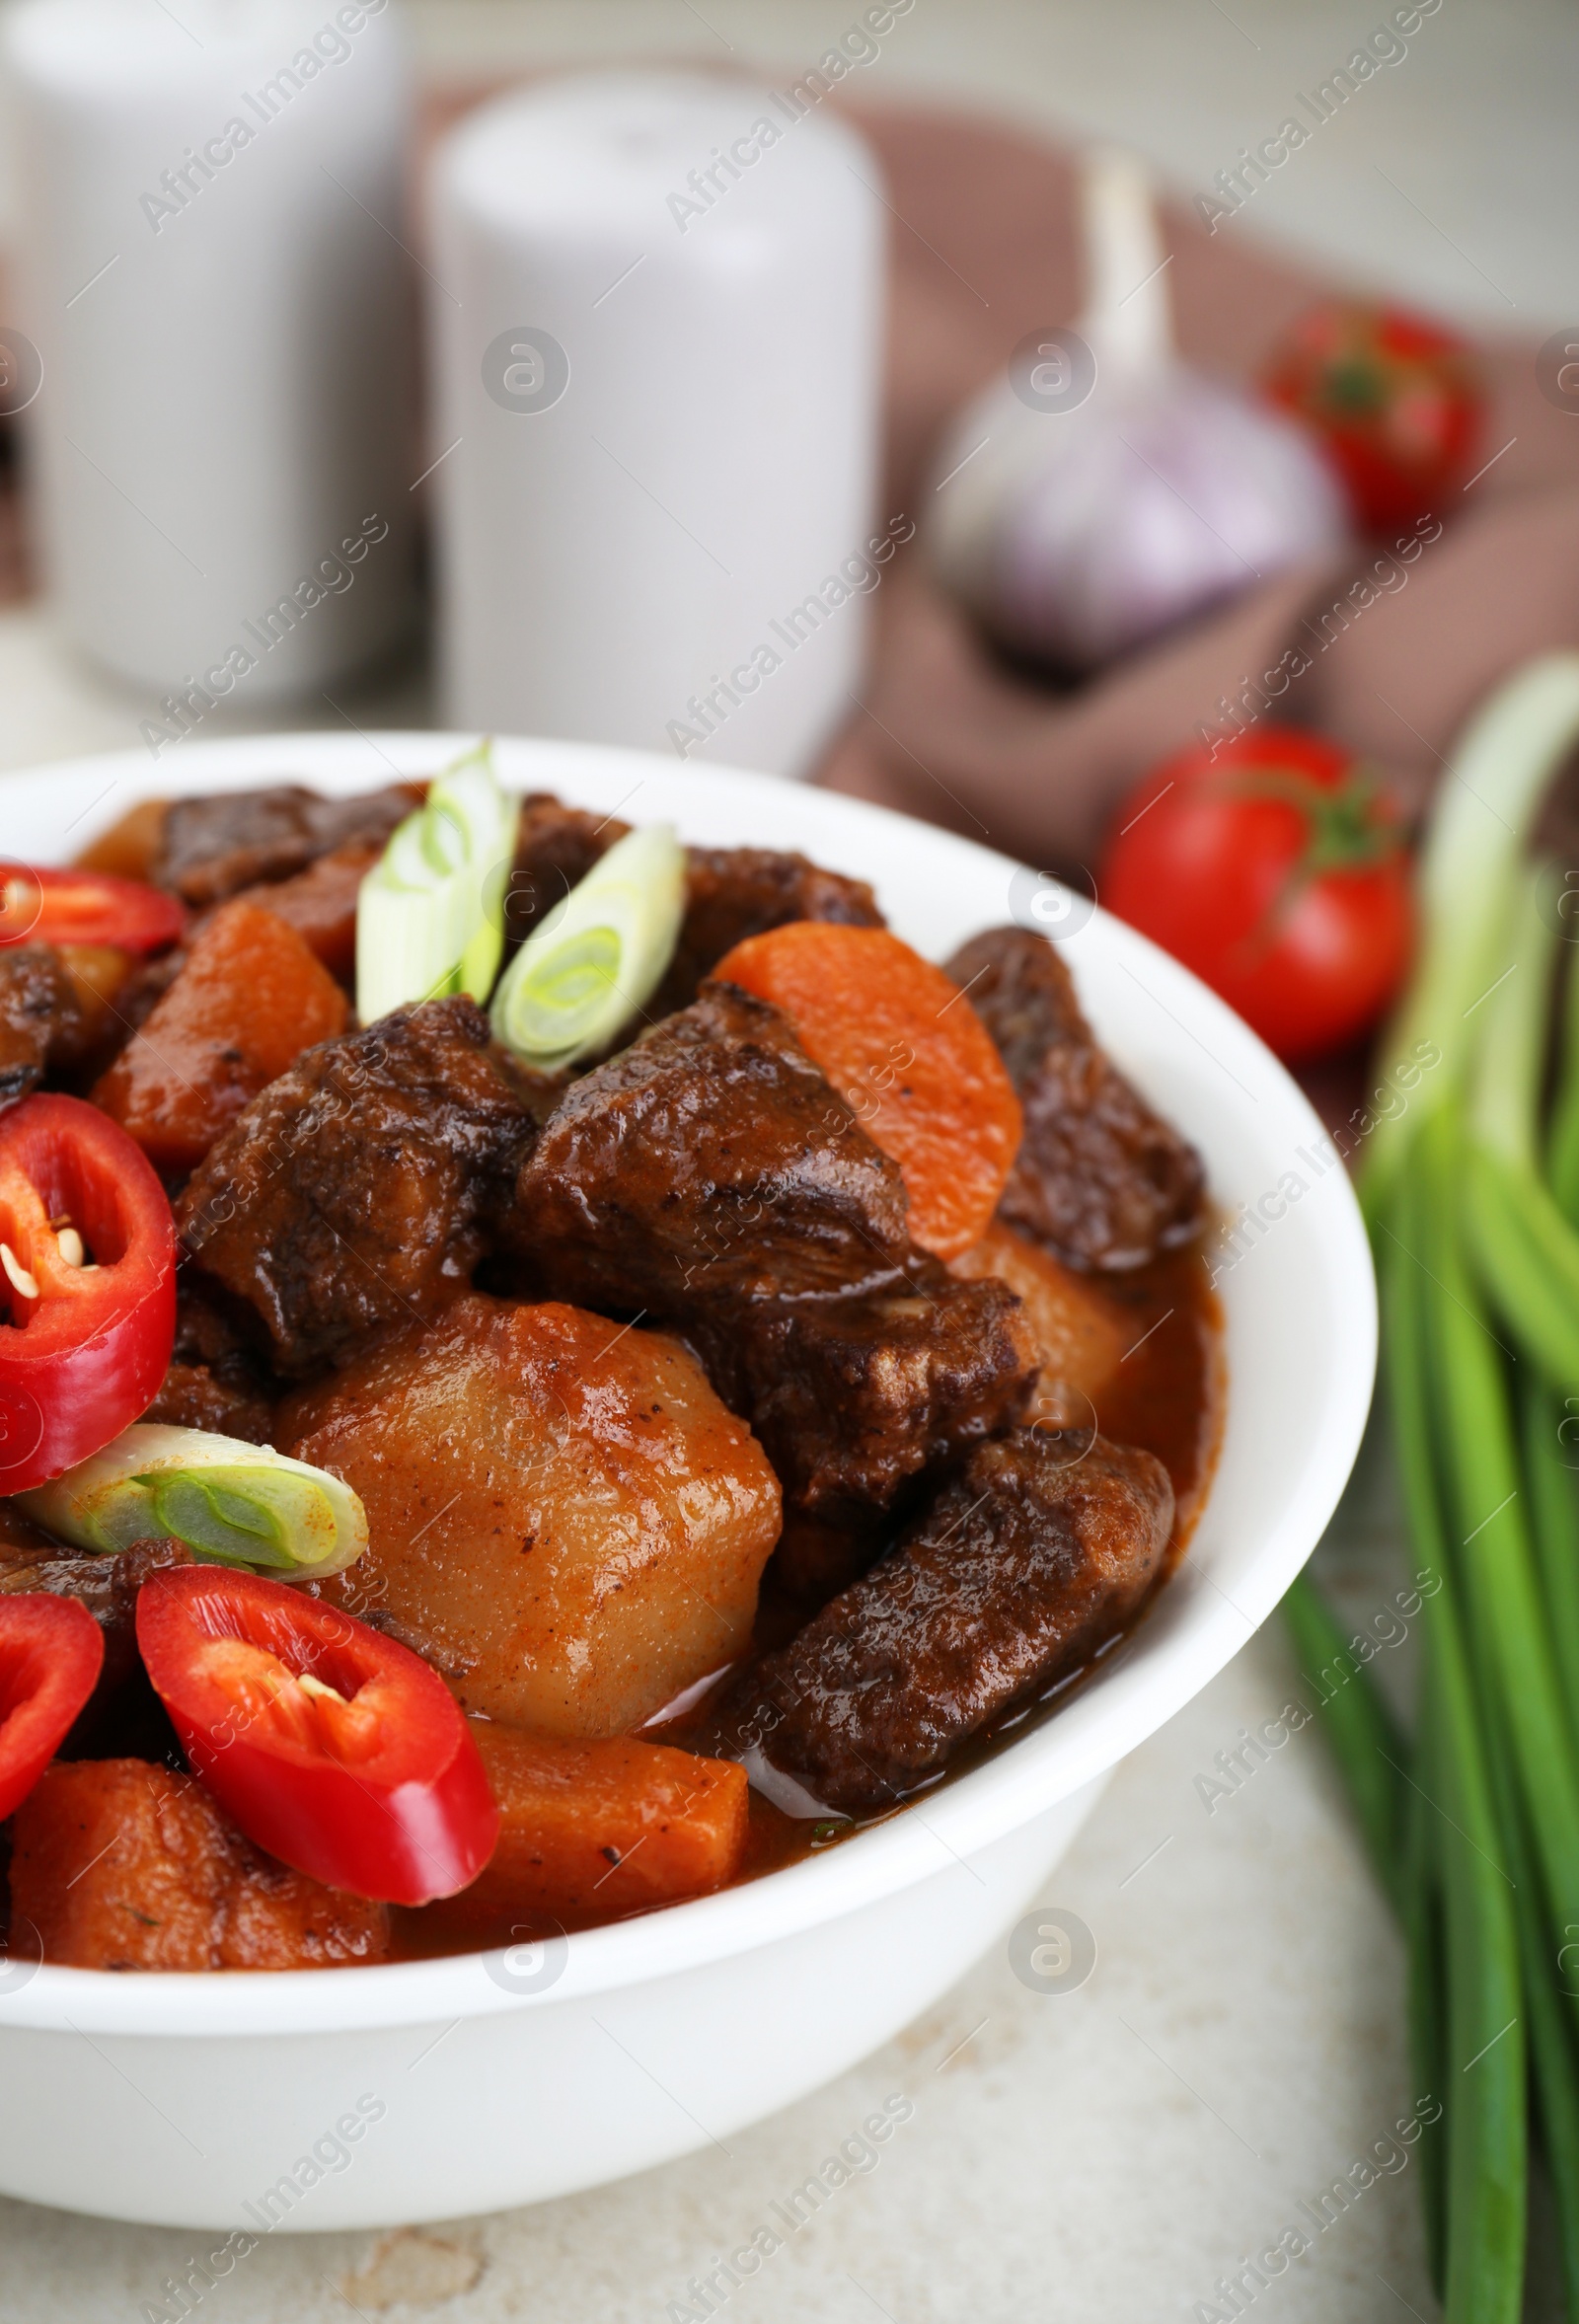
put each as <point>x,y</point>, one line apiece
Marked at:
<point>1192,1630</point>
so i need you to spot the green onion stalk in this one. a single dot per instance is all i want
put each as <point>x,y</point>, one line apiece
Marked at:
<point>431,914</point>
<point>599,955</point>
<point>1473,1208</point>
<point>230,1502</point>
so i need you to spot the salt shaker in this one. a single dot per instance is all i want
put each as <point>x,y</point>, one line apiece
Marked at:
<point>655,326</point>
<point>213,273</point>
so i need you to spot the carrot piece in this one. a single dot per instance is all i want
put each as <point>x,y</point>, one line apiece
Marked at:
<point>248,999</point>
<point>1079,1331</point>
<point>590,1831</point>
<point>897,1038</point>
<point>119,1864</point>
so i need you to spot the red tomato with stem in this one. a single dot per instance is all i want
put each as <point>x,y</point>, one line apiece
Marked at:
<point>1394,401</point>
<point>44,907</point>
<point>1278,874</point>
<point>51,1651</point>
<point>87,1286</point>
<point>333,1748</point>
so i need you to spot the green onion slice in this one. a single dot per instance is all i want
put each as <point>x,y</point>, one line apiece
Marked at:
<point>231,1503</point>
<point>599,957</point>
<point>431,914</point>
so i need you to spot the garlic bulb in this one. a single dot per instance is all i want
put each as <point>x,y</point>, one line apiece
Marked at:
<point>1102,490</point>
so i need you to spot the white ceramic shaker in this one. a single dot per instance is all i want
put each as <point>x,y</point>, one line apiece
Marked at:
<point>657,328</point>
<point>212,270</point>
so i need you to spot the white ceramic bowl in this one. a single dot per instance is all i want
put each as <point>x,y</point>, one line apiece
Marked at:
<point>494,2079</point>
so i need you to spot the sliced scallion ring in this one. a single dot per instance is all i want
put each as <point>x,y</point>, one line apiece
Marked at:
<point>431,914</point>
<point>230,1502</point>
<point>599,955</point>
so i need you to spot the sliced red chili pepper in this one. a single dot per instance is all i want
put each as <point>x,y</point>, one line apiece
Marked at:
<point>51,1651</point>
<point>47,907</point>
<point>333,1748</point>
<point>87,1286</point>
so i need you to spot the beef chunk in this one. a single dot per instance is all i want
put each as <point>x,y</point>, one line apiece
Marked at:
<point>107,1586</point>
<point>213,848</point>
<point>40,1016</point>
<point>1021,1567</point>
<point>709,1157</point>
<point>356,1189</point>
<point>852,1396</point>
<point>710,1177</point>
<point>213,1379</point>
<point>1100,1179</point>
<point>146,986</point>
<point>732,893</point>
<point>319,903</point>
<point>119,1864</point>
<point>195,1395</point>
<point>556,848</point>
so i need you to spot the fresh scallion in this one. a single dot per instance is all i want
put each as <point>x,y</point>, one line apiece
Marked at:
<point>1484,810</point>
<point>1476,1219</point>
<point>599,955</point>
<point>231,1503</point>
<point>1485,2164</point>
<point>1361,1731</point>
<point>431,914</point>
<point>1562,1147</point>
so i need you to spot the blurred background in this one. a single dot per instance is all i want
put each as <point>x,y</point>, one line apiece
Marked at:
<point>1446,181</point>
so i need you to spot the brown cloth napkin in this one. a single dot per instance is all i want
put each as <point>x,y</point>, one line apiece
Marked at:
<point>982,251</point>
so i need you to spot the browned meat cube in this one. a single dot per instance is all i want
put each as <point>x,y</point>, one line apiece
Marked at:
<point>213,848</point>
<point>319,903</point>
<point>213,1381</point>
<point>556,848</point>
<point>355,1190</point>
<point>121,1864</point>
<point>1100,1179</point>
<point>1022,1566</point>
<point>732,893</point>
<point>851,1397</point>
<point>710,1177</point>
<point>39,1014</point>
<point>59,1012</point>
<point>195,1395</point>
<point>710,1157</point>
<point>588,1830</point>
<point>107,1585</point>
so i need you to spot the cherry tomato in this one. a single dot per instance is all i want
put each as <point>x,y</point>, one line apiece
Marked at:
<point>44,907</point>
<point>1278,874</point>
<point>51,1651</point>
<point>87,1286</point>
<point>1396,401</point>
<point>333,1748</point>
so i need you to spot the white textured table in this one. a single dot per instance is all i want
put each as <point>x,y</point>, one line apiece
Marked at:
<point>1109,2153</point>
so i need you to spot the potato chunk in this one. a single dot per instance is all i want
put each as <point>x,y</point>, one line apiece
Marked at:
<point>1079,1333</point>
<point>121,1864</point>
<point>562,1516</point>
<point>590,1831</point>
